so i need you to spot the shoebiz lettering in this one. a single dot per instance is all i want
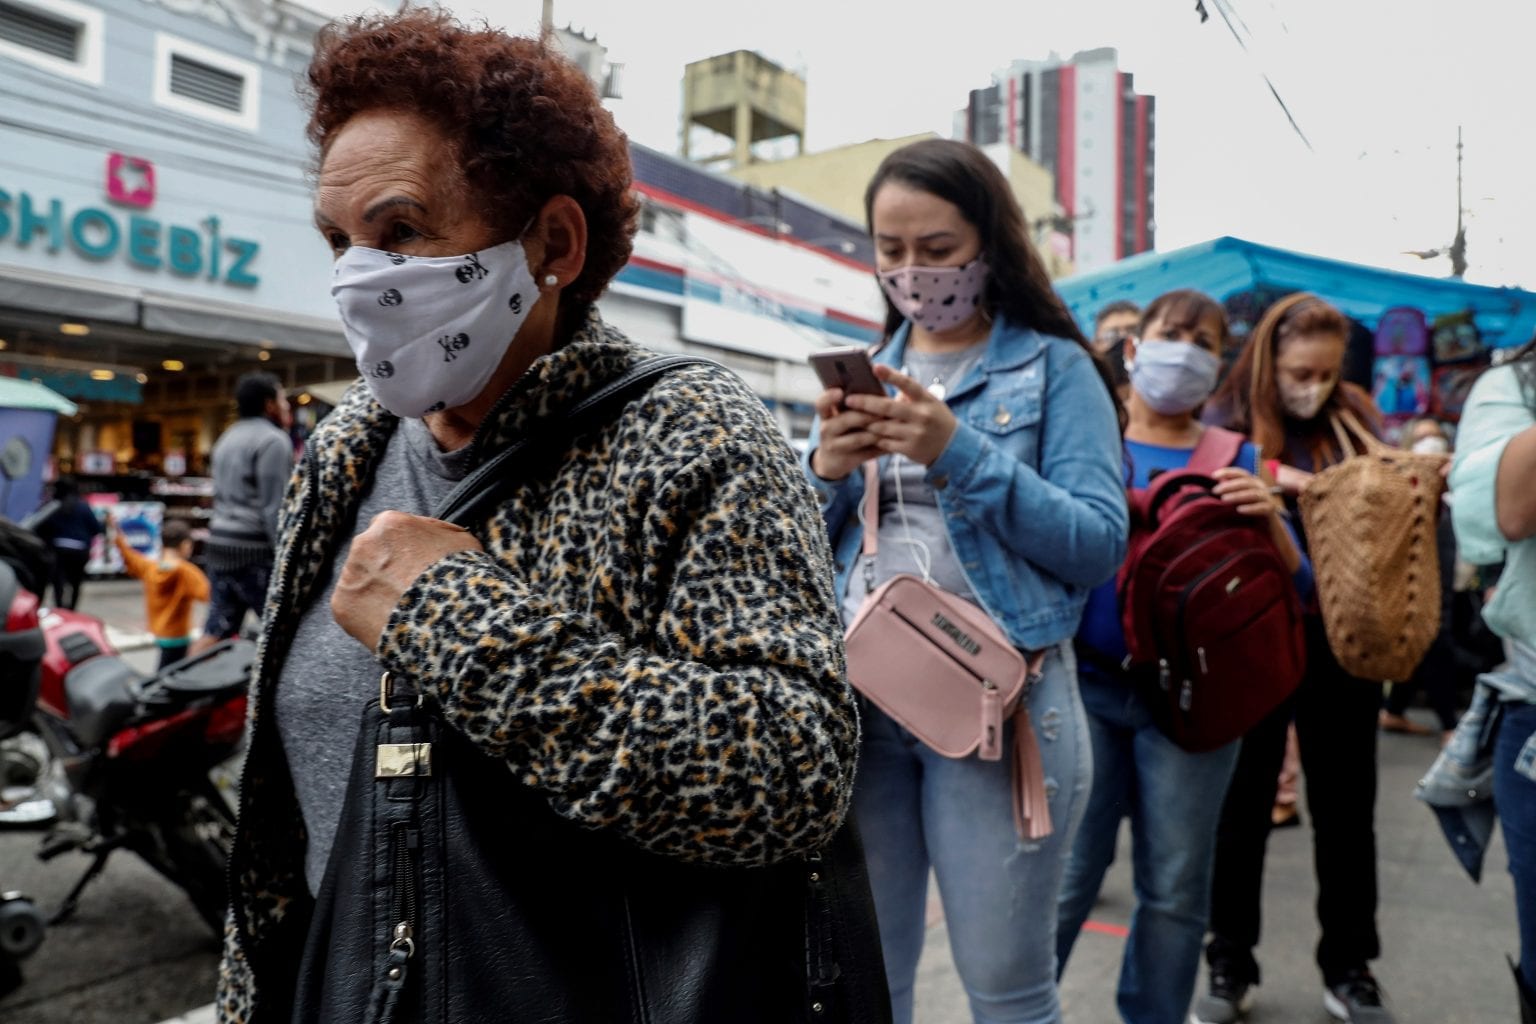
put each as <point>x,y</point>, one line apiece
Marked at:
<point>961,638</point>
<point>100,235</point>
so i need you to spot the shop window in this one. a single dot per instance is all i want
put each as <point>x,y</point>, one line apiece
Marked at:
<point>59,36</point>
<point>205,83</point>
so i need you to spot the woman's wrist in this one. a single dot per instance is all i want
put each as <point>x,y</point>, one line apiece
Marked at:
<point>816,469</point>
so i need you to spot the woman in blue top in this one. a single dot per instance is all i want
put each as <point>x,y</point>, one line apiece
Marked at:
<point>1003,439</point>
<point>1172,797</point>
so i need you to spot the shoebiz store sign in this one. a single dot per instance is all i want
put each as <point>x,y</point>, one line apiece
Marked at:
<point>126,229</point>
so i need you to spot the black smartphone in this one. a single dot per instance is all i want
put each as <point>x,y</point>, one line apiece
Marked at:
<point>848,368</point>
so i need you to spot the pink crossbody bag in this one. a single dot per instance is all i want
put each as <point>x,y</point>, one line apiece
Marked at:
<point>940,667</point>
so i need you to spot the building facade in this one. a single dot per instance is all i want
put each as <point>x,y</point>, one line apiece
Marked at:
<point>1084,121</point>
<point>836,179</point>
<point>157,241</point>
<point>156,237</point>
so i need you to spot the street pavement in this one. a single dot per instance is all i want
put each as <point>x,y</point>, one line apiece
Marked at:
<point>137,952</point>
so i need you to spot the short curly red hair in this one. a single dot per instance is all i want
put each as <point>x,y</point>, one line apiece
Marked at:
<point>527,121</point>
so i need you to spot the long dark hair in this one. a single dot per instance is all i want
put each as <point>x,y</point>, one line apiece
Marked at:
<point>1018,286</point>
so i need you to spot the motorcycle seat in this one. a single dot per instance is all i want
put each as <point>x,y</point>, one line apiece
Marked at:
<point>223,668</point>
<point>102,694</point>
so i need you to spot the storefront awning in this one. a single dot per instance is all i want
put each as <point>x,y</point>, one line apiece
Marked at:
<point>228,321</point>
<point>78,298</point>
<point>74,297</point>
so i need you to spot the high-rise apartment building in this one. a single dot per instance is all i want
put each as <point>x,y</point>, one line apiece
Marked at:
<point>1084,121</point>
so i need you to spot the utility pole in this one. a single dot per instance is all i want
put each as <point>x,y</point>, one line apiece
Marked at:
<point>1459,245</point>
<point>547,21</point>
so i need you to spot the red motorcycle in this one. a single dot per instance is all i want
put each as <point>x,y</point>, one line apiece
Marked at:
<point>124,760</point>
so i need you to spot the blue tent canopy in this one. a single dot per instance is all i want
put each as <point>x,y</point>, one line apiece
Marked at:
<point>1227,266</point>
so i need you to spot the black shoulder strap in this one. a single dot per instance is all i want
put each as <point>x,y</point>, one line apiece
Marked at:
<point>466,505</point>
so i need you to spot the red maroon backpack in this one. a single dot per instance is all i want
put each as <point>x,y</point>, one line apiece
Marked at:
<point>1211,616</point>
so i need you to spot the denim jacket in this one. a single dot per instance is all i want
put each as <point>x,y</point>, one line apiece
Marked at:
<point>1459,785</point>
<point>1029,485</point>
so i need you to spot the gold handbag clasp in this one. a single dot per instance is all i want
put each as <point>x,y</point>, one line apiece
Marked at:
<point>403,760</point>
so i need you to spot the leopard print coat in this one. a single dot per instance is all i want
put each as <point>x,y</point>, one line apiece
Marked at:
<point>649,639</point>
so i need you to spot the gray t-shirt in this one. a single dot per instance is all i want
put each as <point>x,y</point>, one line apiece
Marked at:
<point>912,528</point>
<point>328,676</point>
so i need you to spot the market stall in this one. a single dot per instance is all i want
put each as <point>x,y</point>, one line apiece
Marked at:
<point>1420,341</point>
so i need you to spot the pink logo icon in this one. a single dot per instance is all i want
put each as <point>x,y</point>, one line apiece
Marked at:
<point>130,181</point>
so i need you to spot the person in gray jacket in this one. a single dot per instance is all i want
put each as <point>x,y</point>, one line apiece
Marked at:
<point>252,462</point>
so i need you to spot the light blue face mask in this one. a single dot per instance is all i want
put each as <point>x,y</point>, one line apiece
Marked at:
<point>1173,376</point>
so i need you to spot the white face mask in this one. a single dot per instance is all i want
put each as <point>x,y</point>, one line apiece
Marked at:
<point>1173,376</point>
<point>1304,401</point>
<point>1433,444</point>
<point>429,332</point>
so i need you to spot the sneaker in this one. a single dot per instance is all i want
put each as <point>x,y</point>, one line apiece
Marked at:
<point>1226,1001</point>
<point>1356,999</point>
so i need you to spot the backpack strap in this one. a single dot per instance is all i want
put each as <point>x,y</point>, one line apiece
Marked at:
<point>1218,448</point>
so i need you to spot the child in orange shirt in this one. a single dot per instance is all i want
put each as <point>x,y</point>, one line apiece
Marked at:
<point>170,586</point>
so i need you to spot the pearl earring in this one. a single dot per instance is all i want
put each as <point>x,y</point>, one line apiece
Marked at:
<point>551,280</point>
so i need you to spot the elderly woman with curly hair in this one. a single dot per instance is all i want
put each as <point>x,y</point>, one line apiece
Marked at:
<point>643,631</point>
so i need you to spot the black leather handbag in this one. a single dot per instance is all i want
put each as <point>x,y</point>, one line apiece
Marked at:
<point>455,894</point>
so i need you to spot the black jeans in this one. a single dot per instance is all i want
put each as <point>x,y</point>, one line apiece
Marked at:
<point>170,654</point>
<point>1335,716</point>
<point>68,575</point>
<point>233,592</point>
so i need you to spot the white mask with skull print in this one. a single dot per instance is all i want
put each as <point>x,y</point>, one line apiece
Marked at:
<point>429,332</point>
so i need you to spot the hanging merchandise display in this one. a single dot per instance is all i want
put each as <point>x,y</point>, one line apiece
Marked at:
<point>1400,385</point>
<point>1456,339</point>
<point>1451,386</point>
<point>1402,331</point>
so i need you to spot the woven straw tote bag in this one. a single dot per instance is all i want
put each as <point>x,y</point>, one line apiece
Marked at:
<point>1370,525</point>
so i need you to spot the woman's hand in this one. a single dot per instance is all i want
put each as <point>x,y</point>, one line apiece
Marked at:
<point>1253,496</point>
<point>846,443</point>
<point>914,423</point>
<point>1290,480</point>
<point>1249,494</point>
<point>385,560</point>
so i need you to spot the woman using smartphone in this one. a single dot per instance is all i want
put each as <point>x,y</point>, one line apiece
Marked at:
<point>999,463</point>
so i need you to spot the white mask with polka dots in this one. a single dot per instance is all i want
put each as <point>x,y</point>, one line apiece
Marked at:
<point>429,332</point>
<point>936,298</point>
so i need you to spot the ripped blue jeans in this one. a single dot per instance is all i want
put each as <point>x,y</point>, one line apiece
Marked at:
<point>917,809</point>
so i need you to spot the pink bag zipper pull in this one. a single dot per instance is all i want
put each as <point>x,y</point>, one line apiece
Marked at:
<point>991,746</point>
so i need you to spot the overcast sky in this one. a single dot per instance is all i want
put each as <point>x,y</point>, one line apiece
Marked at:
<point>1378,86</point>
